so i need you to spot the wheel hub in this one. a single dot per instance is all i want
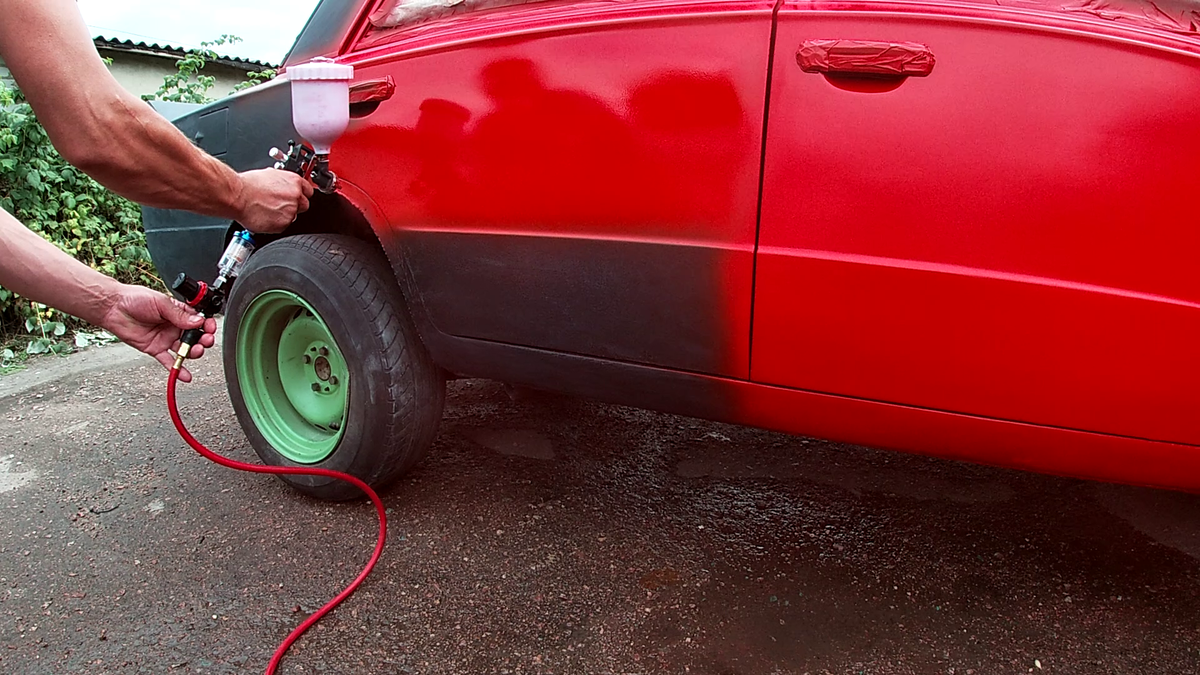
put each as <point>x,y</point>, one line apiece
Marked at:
<point>324,371</point>
<point>294,378</point>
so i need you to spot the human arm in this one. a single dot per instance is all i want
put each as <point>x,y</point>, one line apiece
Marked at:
<point>117,138</point>
<point>142,318</point>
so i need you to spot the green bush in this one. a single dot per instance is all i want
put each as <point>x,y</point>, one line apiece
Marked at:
<point>65,206</point>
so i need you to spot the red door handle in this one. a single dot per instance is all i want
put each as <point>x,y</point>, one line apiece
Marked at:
<point>366,96</point>
<point>865,58</point>
<point>372,91</point>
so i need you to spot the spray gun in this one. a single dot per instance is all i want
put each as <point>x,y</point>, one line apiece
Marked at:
<point>301,159</point>
<point>320,113</point>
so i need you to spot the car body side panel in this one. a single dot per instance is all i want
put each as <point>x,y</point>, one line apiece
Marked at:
<point>592,192</point>
<point>941,434</point>
<point>1014,236</point>
<point>1015,445</point>
<point>393,192</point>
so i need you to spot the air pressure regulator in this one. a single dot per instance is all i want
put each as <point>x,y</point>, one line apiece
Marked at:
<point>209,299</point>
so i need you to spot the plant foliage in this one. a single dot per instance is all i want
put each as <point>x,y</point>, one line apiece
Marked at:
<point>190,85</point>
<point>65,206</point>
<point>76,213</point>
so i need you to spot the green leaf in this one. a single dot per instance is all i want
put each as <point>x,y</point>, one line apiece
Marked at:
<point>38,346</point>
<point>60,329</point>
<point>34,179</point>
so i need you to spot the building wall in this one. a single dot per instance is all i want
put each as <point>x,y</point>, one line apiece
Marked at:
<point>144,73</point>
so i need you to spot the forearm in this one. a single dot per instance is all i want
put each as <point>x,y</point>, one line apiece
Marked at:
<point>39,271</point>
<point>136,153</point>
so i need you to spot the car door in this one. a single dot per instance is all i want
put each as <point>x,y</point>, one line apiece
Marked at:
<point>574,178</point>
<point>1012,234</point>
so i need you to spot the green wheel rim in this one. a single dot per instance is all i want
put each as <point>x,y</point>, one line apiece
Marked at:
<point>293,377</point>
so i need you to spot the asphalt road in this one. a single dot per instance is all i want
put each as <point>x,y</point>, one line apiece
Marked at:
<point>552,535</point>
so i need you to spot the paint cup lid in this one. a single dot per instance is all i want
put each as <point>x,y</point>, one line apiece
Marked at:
<point>320,69</point>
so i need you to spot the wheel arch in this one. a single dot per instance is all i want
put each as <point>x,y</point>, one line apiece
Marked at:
<point>352,212</point>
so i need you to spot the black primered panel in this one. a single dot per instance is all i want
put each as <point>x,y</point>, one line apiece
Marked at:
<point>194,247</point>
<point>249,125</point>
<point>639,302</point>
<point>258,121</point>
<point>212,133</point>
<point>611,381</point>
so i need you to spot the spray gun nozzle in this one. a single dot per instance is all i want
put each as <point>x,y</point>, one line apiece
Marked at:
<point>325,180</point>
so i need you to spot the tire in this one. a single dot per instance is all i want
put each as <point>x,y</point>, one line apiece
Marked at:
<point>324,366</point>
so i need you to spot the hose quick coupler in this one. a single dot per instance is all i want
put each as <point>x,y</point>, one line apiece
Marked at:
<point>189,339</point>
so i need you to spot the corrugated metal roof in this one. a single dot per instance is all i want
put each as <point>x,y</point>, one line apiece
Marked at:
<point>118,44</point>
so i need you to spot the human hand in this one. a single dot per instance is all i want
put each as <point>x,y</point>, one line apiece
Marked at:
<point>271,199</point>
<point>151,322</point>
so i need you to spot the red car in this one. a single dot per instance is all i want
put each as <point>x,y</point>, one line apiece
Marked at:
<point>968,229</point>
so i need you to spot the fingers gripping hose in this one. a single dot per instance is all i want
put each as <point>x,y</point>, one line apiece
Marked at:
<point>172,379</point>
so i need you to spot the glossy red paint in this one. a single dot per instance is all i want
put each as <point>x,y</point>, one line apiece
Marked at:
<point>994,262</point>
<point>1063,452</point>
<point>1013,237</point>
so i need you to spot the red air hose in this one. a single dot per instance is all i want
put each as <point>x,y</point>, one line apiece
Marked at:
<point>288,470</point>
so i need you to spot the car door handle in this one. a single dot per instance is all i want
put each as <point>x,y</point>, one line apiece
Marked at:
<point>865,58</point>
<point>366,96</point>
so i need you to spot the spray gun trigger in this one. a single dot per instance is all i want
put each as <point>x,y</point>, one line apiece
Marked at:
<point>303,161</point>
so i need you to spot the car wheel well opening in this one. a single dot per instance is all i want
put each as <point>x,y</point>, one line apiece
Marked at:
<point>327,214</point>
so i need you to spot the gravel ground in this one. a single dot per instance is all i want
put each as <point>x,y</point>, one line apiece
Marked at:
<point>554,535</point>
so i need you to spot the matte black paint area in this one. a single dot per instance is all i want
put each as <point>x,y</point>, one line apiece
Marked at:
<point>603,380</point>
<point>633,301</point>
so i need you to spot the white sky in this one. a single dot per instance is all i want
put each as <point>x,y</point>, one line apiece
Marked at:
<point>267,27</point>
